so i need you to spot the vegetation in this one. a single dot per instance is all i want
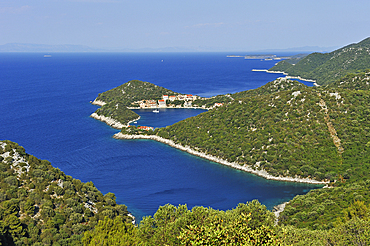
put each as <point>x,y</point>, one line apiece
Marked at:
<point>247,224</point>
<point>328,208</point>
<point>329,67</point>
<point>310,132</point>
<point>209,102</point>
<point>40,205</point>
<point>353,81</point>
<point>117,111</point>
<point>118,99</point>
<point>132,91</point>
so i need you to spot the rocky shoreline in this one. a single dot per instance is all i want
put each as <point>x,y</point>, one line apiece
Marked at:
<point>278,209</point>
<point>286,75</point>
<point>110,121</point>
<point>261,173</point>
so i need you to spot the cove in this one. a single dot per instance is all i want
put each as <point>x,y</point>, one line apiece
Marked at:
<point>45,108</point>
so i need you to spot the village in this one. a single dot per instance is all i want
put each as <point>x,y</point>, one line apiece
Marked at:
<point>173,101</point>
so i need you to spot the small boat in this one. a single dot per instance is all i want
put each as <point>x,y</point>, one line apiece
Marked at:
<point>156,111</point>
<point>135,122</point>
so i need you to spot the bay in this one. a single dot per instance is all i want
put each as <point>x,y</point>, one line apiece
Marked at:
<point>45,107</point>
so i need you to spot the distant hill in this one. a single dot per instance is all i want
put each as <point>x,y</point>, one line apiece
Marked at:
<point>326,68</point>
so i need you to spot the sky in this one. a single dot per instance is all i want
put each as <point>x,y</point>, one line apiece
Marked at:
<point>224,25</point>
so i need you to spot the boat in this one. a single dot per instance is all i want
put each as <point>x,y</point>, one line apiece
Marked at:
<point>156,111</point>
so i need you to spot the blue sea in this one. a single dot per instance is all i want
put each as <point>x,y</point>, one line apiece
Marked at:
<point>45,107</point>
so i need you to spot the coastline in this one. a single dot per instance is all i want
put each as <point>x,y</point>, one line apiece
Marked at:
<point>260,173</point>
<point>279,209</point>
<point>287,75</point>
<point>111,122</point>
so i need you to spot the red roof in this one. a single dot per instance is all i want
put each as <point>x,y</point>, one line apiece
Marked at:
<point>146,128</point>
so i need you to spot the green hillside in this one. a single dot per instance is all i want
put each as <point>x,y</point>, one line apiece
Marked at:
<point>329,67</point>
<point>118,99</point>
<point>40,205</point>
<point>132,91</point>
<point>300,132</point>
<point>354,81</point>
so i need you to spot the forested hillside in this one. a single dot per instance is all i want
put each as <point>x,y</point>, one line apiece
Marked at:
<point>303,131</point>
<point>40,205</point>
<point>329,67</point>
<point>354,81</point>
<point>114,102</point>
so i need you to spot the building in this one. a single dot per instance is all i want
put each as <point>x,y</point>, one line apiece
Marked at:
<point>152,104</point>
<point>162,103</point>
<point>146,128</point>
<point>165,97</point>
<point>172,98</point>
<point>187,103</point>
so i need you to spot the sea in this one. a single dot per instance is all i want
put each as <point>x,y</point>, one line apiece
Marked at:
<point>45,107</point>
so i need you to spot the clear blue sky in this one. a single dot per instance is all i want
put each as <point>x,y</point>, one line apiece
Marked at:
<point>233,25</point>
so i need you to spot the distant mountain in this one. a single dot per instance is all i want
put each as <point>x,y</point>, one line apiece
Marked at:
<point>326,68</point>
<point>303,49</point>
<point>21,47</point>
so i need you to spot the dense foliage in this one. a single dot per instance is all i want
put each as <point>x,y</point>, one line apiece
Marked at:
<point>117,111</point>
<point>247,224</point>
<point>132,91</point>
<point>329,67</point>
<point>328,208</point>
<point>209,102</point>
<point>354,81</point>
<point>40,205</point>
<point>118,99</point>
<point>280,84</point>
<point>304,131</point>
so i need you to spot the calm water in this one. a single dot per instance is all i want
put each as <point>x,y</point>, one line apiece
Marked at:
<point>45,108</point>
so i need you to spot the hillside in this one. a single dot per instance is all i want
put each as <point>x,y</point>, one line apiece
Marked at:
<point>353,81</point>
<point>328,67</point>
<point>291,130</point>
<point>40,204</point>
<point>116,102</point>
<point>305,132</point>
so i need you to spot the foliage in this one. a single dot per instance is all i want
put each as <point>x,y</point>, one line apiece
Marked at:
<point>118,99</point>
<point>327,208</point>
<point>134,90</point>
<point>209,102</point>
<point>329,67</point>
<point>40,204</point>
<point>280,84</point>
<point>247,224</point>
<point>112,232</point>
<point>354,81</point>
<point>286,130</point>
<point>354,232</point>
<point>117,111</point>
